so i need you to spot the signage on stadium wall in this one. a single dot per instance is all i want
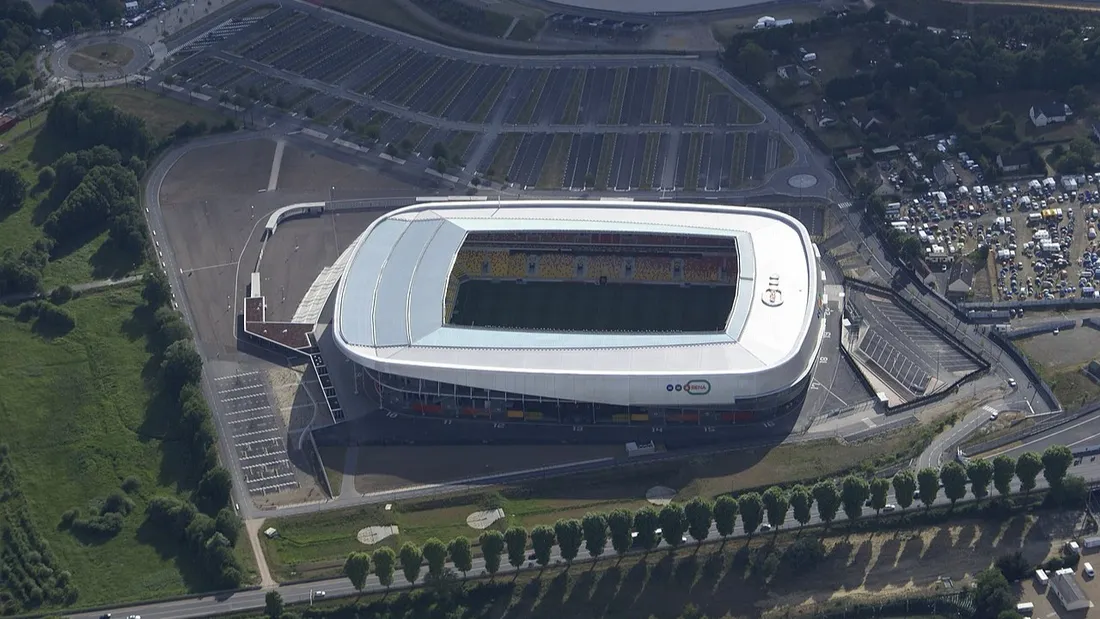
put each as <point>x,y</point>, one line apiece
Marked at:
<point>773,296</point>
<point>692,387</point>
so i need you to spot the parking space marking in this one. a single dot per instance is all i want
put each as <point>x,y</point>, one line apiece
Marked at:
<point>261,460</point>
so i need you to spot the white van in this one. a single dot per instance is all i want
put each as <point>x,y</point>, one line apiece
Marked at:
<point>1025,608</point>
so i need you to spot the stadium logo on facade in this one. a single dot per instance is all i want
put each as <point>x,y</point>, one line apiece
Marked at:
<point>693,387</point>
<point>773,296</point>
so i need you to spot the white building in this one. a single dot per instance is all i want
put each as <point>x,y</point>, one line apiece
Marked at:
<point>393,315</point>
<point>1068,590</point>
<point>1043,114</point>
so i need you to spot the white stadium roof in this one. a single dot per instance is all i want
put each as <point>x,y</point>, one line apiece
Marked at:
<point>390,317</point>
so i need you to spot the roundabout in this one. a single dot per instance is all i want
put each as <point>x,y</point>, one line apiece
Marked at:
<point>100,58</point>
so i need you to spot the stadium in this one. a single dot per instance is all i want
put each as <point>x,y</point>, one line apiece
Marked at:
<point>583,312</point>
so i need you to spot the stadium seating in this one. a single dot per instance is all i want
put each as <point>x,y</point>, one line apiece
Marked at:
<point>650,269</point>
<point>607,266</point>
<point>505,264</point>
<point>556,266</point>
<point>701,270</point>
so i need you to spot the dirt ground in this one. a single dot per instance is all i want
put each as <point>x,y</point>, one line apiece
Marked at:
<point>718,580</point>
<point>386,468</point>
<point>1069,348</point>
<point>868,565</point>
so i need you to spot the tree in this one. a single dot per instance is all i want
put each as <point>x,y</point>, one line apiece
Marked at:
<point>1056,462</point>
<point>492,545</point>
<point>853,494</point>
<point>1078,98</point>
<point>1028,467</point>
<point>776,505</point>
<point>752,62</point>
<point>273,605</point>
<point>751,507</point>
<point>928,485</point>
<point>905,485</point>
<point>725,515</point>
<point>646,523</point>
<point>802,502</point>
<point>228,524</point>
<point>880,488</point>
<point>542,542</point>
<point>435,553</point>
<point>181,366</point>
<point>411,558</point>
<point>1004,469</point>
<point>594,528</point>
<point>980,473</point>
<point>619,522</point>
<point>570,535</point>
<point>461,555</point>
<point>673,524</point>
<point>156,290</point>
<point>13,190</point>
<point>992,594</point>
<point>356,568</point>
<point>700,514</point>
<point>384,561</point>
<point>953,477</point>
<point>213,490</point>
<point>828,500</point>
<point>515,539</point>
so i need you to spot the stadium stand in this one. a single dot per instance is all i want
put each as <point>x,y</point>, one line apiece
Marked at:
<point>652,269</point>
<point>556,266</point>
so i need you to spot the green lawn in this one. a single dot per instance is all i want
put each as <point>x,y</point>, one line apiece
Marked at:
<point>79,419</point>
<point>161,114</point>
<point>29,150</point>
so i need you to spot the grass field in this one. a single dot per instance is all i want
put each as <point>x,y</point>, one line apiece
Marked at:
<point>80,420</point>
<point>533,97</point>
<point>603,165</point>
<point>29,150</point>
<point>579,306</point>
<point>101,57</point>
<point>553,170</point>
<point>161,114</point>
<point>618,93</point>
<point>314,545</point>
<point>1059,361</point>
<point>735,580</point>
<point>572,108</point>
<point>486,105</point>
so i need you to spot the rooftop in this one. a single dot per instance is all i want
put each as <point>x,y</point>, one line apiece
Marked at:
<point>391,300</point>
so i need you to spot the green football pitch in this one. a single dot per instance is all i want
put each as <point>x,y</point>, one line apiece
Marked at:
<point>578,306</point>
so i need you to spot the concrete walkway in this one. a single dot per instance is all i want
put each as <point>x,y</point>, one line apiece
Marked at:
<point>85,287</point>
<point>347,482</point>
<point>252,529</point>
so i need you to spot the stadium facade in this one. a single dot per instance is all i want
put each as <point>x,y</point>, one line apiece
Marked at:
<point>415,270</point>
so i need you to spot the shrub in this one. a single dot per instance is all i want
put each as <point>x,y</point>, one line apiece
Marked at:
<point>131,485</point>
<point>69,516</point>
<point>61,294</point>
<point>46,177</point>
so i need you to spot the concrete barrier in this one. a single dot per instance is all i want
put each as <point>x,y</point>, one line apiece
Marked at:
<point>293,210</point>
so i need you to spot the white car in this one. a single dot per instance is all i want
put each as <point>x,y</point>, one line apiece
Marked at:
<point>318,594</point>
<point>889,507</point>
<point>993,416</point>
<point>764,528</point>
<point>1089,571</point>
<point>1012,383</point>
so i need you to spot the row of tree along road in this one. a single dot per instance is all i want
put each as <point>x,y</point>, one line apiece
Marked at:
<point>702,519</point>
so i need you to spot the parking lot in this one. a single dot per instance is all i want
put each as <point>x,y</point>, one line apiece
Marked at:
<point>894,363</point>
<point>906,351</point>
<point>373,64</point>
<point>257,433</point>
